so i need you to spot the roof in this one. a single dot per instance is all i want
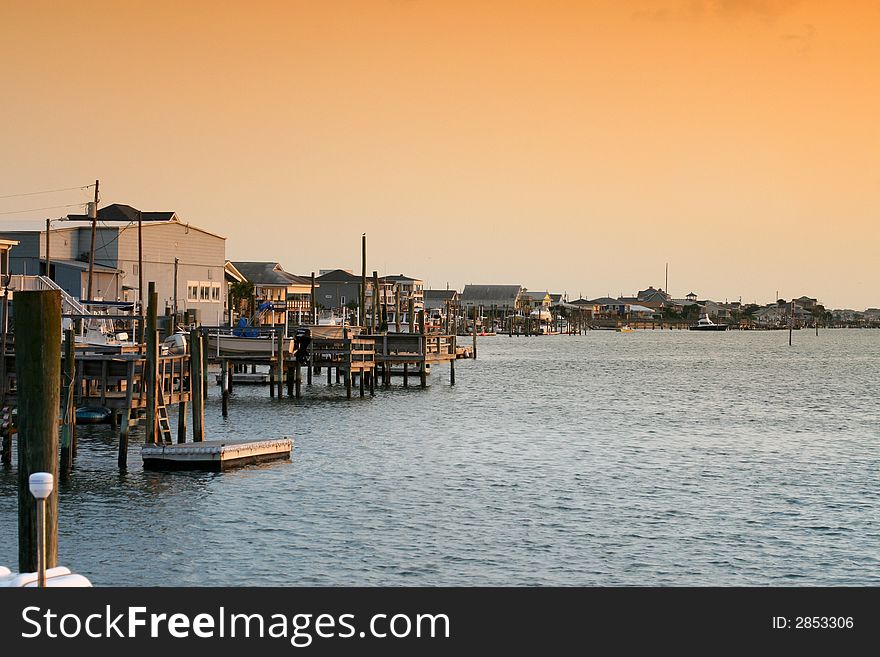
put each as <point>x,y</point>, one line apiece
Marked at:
<point>122,212</point>
<point>640,309</point>
<point>583,302</point>
<point>607,301</point>
<point>490,292</point>
<point>440,295</point>
<point>399,278</point>
<point>268,273</point>
<point>339,276</point>
<point>535,296</point>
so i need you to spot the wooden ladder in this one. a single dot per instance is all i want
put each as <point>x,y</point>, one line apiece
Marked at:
<point>162,415</point>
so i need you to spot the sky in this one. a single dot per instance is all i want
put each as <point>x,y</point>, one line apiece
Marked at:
<point>572,146</point>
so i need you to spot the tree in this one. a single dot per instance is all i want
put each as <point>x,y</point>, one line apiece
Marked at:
<point>242,298</point>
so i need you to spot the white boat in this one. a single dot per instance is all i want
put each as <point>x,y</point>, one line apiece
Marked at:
<point>220,344</point>
<point>542,314</point>
<point>706,324</point>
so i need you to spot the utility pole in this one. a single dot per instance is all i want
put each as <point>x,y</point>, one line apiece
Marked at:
<point>92,251</point>
<point>48,255</point>
<point>666,289</point>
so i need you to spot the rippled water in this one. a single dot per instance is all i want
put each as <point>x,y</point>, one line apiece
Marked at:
<point>611,458</point>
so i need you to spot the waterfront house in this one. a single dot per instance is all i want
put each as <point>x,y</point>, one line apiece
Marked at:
<point>186,262</point>
<point>534,300</point>
<point>340,289</point>
<point>438,299</point>
<point>490,297</point>
<point>290,295</point>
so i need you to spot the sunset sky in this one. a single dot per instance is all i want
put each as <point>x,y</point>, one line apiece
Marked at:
<point>575,146</point>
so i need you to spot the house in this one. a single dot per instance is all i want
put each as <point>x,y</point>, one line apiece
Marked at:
<point>185,262</point>
<point>339,289</point>
<point>534,300</point>
<point>438,299</point>
<point>290,295</point>
<point>609,307</point>
<point>651,298</point>
<point>492,296</point>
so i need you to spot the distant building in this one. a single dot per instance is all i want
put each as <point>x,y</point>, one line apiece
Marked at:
<point>290,295</point>
<point>438,299</point>
<point>339,288</point>
<point>173,250</point>
<point>534,300</point>
<point>492,296</point>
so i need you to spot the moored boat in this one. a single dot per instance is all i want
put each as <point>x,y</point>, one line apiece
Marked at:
<point>706,324</point>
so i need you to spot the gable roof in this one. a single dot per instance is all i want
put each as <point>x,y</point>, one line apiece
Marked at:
<point>268,273</point>
<point>122,212</point>
<point>440,295</point>
<point>491,293</point>
<point>534,296</point>
<point>339,276</point>
<point>399,278</point>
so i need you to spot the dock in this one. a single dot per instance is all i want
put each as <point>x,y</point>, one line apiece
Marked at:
<point>215,455</point>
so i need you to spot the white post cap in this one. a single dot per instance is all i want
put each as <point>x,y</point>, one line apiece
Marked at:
<point>41,484</point>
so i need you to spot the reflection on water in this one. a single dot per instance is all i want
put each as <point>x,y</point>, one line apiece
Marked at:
<point>643,458</point>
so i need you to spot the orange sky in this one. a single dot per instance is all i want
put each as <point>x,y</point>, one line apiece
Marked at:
<point>576,146</point>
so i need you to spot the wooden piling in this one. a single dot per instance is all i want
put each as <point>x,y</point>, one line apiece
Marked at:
<point>405,374</point>
<point>361,382</point>
<point>297,374</point>
<point>474,354</point>
<point>69,403</point>
<point>38,372</point>
<point>373,382</point>
<point>125,425</point>
<point>224,387</point>
<point>151,366</point>
<point>197,392</point>
<point>271,381</point>
<point>280,362</point>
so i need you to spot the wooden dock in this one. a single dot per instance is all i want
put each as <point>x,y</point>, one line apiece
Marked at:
<point>215,455</point>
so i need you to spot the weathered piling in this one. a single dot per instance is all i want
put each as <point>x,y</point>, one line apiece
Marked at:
<point>151,366</point>
<point>69,413</point>
<point>474,354</point>
<point>38,372</point>
<point>7,433</point>
<point>197,394</point>
<point>423,349</point>
<point>279,363</point>
<point>224,387</point>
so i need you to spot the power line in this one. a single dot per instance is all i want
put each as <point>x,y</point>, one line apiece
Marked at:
<point>51,207</point>
<point>47,191</point>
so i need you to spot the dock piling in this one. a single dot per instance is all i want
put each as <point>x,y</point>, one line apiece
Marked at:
<point>38,349</point>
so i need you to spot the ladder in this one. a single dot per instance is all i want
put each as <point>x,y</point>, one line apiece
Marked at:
<point>164,425</point>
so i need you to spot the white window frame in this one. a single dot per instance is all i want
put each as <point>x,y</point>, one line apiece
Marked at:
<point>190,286</point>
<point>204,291</point>
<point>215,293</point>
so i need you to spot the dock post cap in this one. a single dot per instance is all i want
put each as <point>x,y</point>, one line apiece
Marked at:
<point>41,484</point>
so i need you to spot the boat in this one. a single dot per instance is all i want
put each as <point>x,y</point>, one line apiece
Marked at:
<point>92,415</point>
<point>625,329</point>
<point>706,324</point>
<point>541,314</point>
<point>224,344</point>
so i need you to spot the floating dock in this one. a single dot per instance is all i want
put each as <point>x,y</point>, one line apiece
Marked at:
<point>215,455</point>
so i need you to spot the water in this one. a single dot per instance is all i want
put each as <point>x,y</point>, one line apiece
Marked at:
<point>656,458</point>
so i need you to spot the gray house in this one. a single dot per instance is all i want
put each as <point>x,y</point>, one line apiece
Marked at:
<point>492,296</point>
<point>185,262</point>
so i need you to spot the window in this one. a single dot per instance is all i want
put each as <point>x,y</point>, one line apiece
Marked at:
<point>204,291</point>
<point>192,290</point>
<point>215,292</point>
